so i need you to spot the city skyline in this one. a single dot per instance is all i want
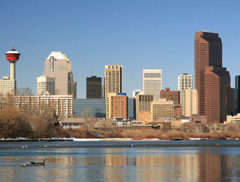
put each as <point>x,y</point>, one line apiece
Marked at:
<point>138,35</point>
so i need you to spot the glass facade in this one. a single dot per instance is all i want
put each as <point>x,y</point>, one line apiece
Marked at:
<point>96,107</point>
<point>132,108</point>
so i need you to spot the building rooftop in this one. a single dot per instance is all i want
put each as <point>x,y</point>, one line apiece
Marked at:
<point>58,56</point>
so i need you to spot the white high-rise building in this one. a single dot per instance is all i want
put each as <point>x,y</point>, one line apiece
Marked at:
<point>189,101</point>
<point>185,81</point>
<point>152,82</point>
<point>45,84</point>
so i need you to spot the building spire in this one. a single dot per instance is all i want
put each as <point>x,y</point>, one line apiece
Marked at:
<point>12,49</point>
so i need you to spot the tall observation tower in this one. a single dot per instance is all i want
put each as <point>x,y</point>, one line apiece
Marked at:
<point>12,56</point>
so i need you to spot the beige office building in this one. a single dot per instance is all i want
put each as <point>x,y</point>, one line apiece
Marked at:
<point>59,67</point>
<point>189,100</point>
<point>185,81</point>
<point>113,79</point>
<point>152,82</point>
<point>45,84</point>
<point>61,104</point>
<point>108,104</point>
<point>7,86</point>
<point>162,108</point>
<point>143,106</point>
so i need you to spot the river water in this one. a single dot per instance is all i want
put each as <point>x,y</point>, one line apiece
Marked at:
<point>142,161</point>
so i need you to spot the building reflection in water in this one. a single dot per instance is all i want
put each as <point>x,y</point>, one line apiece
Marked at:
<point>192,166</point>
<point>129,164</point>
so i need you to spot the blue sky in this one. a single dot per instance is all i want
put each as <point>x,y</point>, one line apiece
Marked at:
<point>134,33</point>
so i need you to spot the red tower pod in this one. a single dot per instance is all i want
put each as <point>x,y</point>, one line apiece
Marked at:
<point>12,56</point>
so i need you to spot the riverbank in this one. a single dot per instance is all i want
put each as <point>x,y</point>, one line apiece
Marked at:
<point>181,145</point>
<point>55,139</point>
<point>128,135</point>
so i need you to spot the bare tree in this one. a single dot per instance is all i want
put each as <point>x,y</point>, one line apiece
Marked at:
<point>24,92</point>
<point>86,114</point>
<point>13,123</point>
<point>43,120</point>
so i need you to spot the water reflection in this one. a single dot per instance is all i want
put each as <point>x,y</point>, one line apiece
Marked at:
<point>130,164</point>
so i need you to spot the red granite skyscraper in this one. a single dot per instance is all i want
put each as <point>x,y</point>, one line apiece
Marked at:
<point>211,80</point>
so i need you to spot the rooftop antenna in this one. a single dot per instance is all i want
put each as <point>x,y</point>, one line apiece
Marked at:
<point>12,43</point>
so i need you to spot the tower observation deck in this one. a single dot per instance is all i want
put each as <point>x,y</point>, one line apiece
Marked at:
<point>12,56</point>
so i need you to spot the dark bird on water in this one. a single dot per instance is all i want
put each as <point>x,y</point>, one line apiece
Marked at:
<point>34,163</point>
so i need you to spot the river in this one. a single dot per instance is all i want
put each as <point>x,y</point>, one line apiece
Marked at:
<point>110,161</point>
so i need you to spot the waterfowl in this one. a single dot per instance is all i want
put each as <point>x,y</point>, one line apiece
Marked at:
<point>34,163</point>
<point>41,163</point>
<point>26,164</point>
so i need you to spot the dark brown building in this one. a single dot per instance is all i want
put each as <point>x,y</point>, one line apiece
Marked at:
<point>94,87</point>
<point>211,80</point>
<point>217,94</point>
<point>171,95</point>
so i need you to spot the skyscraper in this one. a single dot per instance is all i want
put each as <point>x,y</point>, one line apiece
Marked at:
<point>233,102</point>
<point>211,80</point>
<point>113,79</point>
<point>45,84</point>
<point>94,87</point>
<point>237,94</point>
<point>59,67</point>
<point>152,82</point>
<point>189,101</point>
<point>185,81</point>
<point>217,94</point>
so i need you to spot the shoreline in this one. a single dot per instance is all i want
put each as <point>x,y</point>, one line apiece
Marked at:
<point>55,139</point>
<point>161,144</point>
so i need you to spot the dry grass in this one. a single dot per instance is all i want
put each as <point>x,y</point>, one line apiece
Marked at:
<point>173,135</point>
<point>137,134</point>
<point>141,134</point>
<point>212,136</point>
